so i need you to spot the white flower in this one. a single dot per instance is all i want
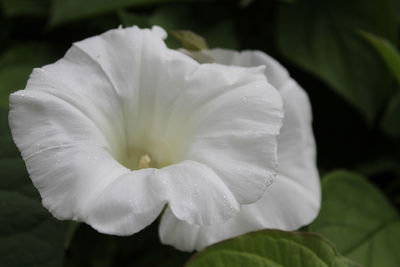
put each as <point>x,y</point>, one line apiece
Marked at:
<point>293,200</point>
<point>123,126</point>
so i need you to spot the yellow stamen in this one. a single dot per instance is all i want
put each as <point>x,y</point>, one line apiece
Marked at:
<point>144,161</point>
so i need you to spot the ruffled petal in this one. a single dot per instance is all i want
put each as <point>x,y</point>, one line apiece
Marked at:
<point>235,128</point>
<point>276,74</point>
<point>54,136</point>
<point>128,203</point>
<point>293,200</point>
<point>296,145</point>
<point>285,206</point>
<point>202,198</point>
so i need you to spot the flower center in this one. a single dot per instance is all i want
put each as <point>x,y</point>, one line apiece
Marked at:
<point>154,154</point>
<point>152,142</point>
<point>144,161</point>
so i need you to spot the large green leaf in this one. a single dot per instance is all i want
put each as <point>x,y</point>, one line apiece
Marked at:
<point>12,8</point>
<point>271,248</point>
<point>390,120</point>
<point>66,11</point>
<point>322,37</point>
<point>29,235</point>
<point>359,220</point>
<point>211,22</point>
<point>17,63</point>
<point>387,51</point>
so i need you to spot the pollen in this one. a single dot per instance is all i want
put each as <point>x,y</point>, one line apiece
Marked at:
<point>144,161</point>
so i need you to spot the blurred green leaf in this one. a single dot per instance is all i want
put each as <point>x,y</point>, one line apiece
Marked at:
<point>17,63</point>
<point>8,148</point>
<point>377,166</point>
<point>271,248</point>
<point>13,8</point>
<point>214,23</point>
<point>390,120</point>
<point>139,250</point>
<point>391,117</point>
<point>397,6</point>
<point>245,3</point>
<point>322,38</point>
<point>67,11</point>
<point>359,220</point>
<point>387,51</point>
<point>70,229</point>
<point>190,40</point>
<point>29,235</point>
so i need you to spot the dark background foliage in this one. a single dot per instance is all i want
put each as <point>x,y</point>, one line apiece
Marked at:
<point>344,54</point>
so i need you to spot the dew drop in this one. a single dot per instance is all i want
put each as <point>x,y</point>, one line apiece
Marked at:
<point>244,100</point>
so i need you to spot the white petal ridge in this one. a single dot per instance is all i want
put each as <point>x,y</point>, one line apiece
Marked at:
<point>83,123</point>
<point>293,200</point>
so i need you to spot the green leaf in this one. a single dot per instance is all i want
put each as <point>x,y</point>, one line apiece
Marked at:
<point>70,230</point>
<point>190,40</point>
<point>397,6</point>
<point>358,218</point>
<point>67,11</point>
<point>245,3</point>
<point>29,235</point>
<point>13,8</point>
<point>322,38</point>
<point>214,23</point>
<point>17,63</point>
<point>141,249</point>
<point>387,51</point>
<point>271,248</point>
<point>390,120</point>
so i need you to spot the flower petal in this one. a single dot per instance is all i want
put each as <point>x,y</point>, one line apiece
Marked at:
<point>127,204</point>
<point>275,73</point>
<point>293,200</point>
<point>60,136</point>
<point>297,208</point>
<point>202,198</point>
<point>235,130</point>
